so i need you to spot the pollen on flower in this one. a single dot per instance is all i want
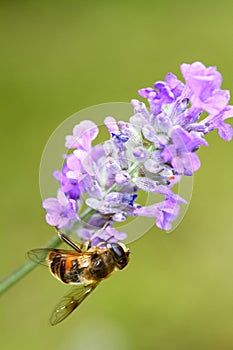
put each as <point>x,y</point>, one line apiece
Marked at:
<point>151,153</point>
<point>171,178</point>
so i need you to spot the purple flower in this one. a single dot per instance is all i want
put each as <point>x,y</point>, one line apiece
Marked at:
<point>175,85</point>
<point>83,168</point>
<point>83,134</point>
<point>60,210</point>
<point>114,203</point>
<point>149,153</point>
<point>212,122</point>
<point>165,212</point>
<point>150,185</point>
<point>122,178</point>
<point>163,93</point>
<point>204,84</point>
<point>111,125</point>
<point>140,108</point>
<point>69,186</point>
<point>180,153</point>
<point>107,235</point>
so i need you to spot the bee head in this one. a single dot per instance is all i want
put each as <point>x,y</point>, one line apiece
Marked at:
<point>120,254</point>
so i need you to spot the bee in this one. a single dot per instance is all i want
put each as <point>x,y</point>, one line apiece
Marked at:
<point>84,269</point>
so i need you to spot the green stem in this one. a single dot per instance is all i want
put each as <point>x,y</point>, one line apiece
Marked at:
<point>23,270</point>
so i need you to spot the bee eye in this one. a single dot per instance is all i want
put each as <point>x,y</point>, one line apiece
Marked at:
<point>98,263</point>
<point>117,250</point>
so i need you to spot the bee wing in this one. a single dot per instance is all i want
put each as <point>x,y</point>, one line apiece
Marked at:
<point>40,255</point>
<point>70,301</point>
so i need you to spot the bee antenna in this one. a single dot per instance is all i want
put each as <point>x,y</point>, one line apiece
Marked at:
<point>105,241</point>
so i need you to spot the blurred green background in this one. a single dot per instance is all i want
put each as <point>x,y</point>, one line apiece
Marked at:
<point>58,57</point>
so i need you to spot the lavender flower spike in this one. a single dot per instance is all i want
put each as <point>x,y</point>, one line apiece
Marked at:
<point>151,152</point>
<point>60,210</point>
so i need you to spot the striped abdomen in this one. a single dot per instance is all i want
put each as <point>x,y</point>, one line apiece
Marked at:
<point>65,267</point>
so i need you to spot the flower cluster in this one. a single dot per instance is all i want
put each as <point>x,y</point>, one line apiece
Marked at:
<point>150,152</point>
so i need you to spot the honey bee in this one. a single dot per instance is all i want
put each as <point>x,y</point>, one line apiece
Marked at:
<point>83,269</point>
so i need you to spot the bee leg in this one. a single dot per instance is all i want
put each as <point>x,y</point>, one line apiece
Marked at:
<point>89,244</point>
<point>102,241</point>
<point>83,245</point>
<point>97,232</point>
<point>68,241</point>
<point>107,240</point>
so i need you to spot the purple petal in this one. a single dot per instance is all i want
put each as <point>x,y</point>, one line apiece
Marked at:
<point>50,204</point>
<point>181,138</point>
<point>225,131</point>
<point>122,178</point>
<point>73,162</point>
<point>140,108</point>
<point>85,234</point>
<point>140,153</point>
<point>111,125</point>
<point>83,134</point>
<point>147,92</point>
<point>62,198</point>
<point>205,85</point>
<point>174,84</point>
<point>168,153</point>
